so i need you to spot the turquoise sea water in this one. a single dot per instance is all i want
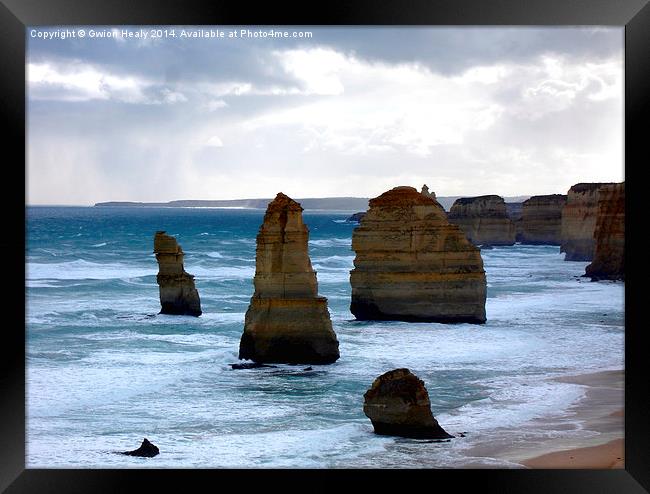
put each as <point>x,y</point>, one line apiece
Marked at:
<point>105,370</point>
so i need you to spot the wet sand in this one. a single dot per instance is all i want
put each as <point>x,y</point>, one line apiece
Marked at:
<point>601,411</point>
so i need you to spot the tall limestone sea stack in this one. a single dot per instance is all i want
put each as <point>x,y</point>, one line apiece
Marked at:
<point>286,321</point>
<point>579,221</point>
<point>542,219</point>
<point>178,294</point>
<point>609,252</point>
<point>411,264</point>
<point>484,220</point>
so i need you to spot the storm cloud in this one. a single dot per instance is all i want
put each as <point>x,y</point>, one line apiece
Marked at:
<point>347,112</point>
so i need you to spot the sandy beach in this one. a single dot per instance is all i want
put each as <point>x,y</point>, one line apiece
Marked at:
<point>601,411</point>
<point>608,455</point>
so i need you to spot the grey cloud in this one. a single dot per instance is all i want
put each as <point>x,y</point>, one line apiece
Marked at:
<point>111,149</point>
<point>446,50</point>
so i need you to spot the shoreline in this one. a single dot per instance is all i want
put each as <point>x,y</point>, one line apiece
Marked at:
<point>591,430</point>
<point>601,411</point>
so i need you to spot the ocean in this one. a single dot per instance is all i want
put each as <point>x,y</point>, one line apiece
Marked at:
<point>104,369</point>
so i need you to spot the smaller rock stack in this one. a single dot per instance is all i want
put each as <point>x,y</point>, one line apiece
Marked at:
<point>286,321</point>
<point>178,295</point>
<point>484,220</point>
<point>609,253</point>
<point>542,220</point>
<point>398,404</point>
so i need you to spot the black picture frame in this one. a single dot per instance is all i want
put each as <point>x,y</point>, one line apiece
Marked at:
<point>15,15</point>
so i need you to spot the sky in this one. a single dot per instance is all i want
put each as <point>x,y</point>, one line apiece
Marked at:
<point>331,112</point>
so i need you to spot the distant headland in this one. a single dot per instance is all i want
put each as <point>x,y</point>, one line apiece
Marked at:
<point>323,203</point>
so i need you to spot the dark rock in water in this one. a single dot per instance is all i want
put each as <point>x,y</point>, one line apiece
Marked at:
<point>178,295</point>
<point>146,450</point>
<point>251,365</point>
<point>308,368</point>
<point>398,404</point>
<point>356,217</point>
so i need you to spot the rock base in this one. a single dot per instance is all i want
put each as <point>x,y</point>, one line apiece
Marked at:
<point>290,331</point>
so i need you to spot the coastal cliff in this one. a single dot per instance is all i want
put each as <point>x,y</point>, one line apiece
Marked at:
<point>178,295</point>
<point>609,252</point>
<point>579,217</point>
<point>484,220</point>
<point>411,264</point>
<point>542,219</point>
<point>286,321</point>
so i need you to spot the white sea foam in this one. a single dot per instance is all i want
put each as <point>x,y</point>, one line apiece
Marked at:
<point>334,261</point>
<point>81,269</point>
<point>331,242</point>
<point>222,273</point>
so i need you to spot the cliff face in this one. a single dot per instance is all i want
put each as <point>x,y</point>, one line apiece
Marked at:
<point>411,264</point>
<point>542,219</point>
<point>579,221</point>
<point>286,321</point>
<point>178,294</point>
<point>398,404</point>
<point>609,252</point>
<point>484,220</point>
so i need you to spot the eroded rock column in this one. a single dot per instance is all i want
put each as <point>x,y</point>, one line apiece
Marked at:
<point>178,295</point>
<point>286,321</point>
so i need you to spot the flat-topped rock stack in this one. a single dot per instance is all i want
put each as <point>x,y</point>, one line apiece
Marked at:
<point>411,264</point>
<point>609,252</point>
<point>579,221</point>
<point>542,219</point>
<point>484,220</point>
<point>286,321</point>
<point>178,295</point>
